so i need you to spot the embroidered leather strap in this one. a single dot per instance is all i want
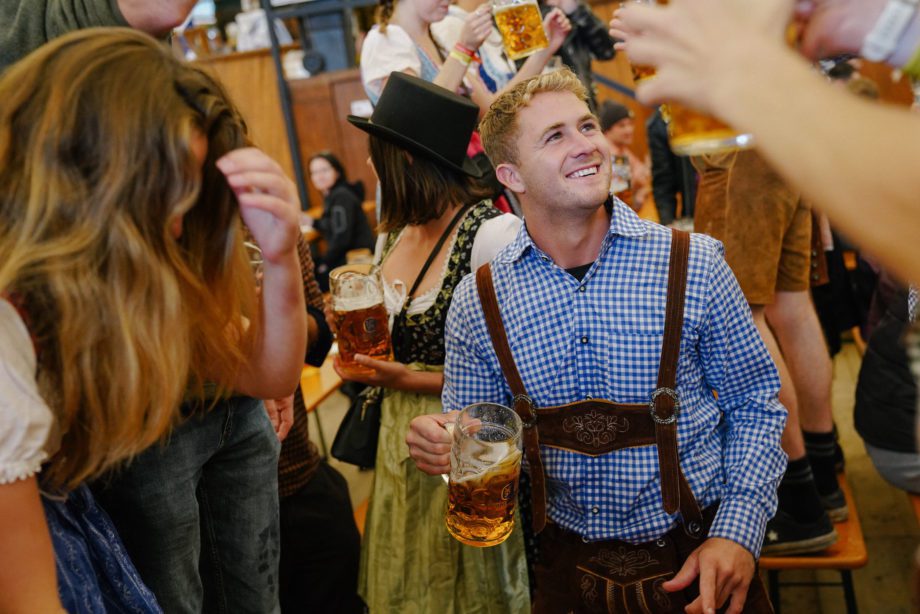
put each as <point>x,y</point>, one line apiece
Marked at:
<point>521,403</point>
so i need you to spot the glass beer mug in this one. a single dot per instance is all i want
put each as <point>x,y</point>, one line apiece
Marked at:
<point>691,133</point>
<point>485,463</point>
<point>521,27</point>
<point>360,315</point>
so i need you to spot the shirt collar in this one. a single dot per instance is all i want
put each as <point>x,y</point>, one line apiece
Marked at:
<point>623,222</point>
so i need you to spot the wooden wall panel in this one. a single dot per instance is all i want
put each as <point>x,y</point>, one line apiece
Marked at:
<point>250,80</point>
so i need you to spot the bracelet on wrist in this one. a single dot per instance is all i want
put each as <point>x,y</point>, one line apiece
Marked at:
<point>460,57</point>
<point>883,38</point>
<point>465,50</point>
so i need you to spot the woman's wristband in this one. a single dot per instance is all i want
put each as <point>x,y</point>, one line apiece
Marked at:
<point>461,57</point>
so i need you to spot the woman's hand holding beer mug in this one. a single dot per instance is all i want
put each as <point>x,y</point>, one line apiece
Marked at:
<point>385,373</point>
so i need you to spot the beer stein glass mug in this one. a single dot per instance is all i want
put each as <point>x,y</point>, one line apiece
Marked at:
<point>521,26</point>
<point>485,463</point>
<point>359,314</point>
<point>692,133</point>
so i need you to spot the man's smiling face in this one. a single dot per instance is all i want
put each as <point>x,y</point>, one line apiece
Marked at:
<point>563,159</point>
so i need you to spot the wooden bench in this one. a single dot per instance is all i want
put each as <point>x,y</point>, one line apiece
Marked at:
<point>361,515</point>
<point>317,384</point>
<point>915,503</point>
<point>847,554</point>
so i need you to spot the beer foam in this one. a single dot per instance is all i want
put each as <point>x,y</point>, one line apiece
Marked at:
<point>353,303</point>
<point>496,458</point>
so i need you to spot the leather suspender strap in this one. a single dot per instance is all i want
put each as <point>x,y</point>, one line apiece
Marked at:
<point>522,403</point>
<point>664,403</point>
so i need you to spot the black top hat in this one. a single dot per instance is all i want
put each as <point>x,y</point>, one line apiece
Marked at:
<point>425,119</point>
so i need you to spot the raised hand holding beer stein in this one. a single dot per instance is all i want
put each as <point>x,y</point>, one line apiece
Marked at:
<point>359,315</point>
<point>690,132</point>
<point>485,464</point>
<point>521,27</point>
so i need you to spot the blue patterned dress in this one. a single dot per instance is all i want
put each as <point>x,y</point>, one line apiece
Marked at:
<point>94,572</point>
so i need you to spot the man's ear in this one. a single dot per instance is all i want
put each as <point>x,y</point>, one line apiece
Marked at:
<point>509,177</point>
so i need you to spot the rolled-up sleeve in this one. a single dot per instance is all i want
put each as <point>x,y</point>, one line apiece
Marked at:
<point>25,418</point>
<point>739,368</point>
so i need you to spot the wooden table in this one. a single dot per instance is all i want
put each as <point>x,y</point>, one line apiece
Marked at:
<point>317,384</point>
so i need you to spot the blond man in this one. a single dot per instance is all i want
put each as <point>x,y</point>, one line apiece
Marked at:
<point>610,387</point>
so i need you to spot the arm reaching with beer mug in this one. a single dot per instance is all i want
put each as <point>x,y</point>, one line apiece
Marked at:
<point>732,61</point>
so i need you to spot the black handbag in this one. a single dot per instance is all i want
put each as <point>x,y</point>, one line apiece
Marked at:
<point>356,440</point>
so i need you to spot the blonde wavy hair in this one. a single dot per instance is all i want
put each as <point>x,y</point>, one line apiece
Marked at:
<point>499,127</point>
<point>96,166</point>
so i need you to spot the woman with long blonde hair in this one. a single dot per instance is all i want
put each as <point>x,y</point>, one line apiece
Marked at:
<point>124,183</point>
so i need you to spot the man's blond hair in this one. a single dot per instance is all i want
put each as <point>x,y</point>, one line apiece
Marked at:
<point>499,128</point>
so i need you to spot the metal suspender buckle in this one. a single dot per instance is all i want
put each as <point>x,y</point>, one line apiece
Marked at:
<point>526,421</point>
<point>652,409</point>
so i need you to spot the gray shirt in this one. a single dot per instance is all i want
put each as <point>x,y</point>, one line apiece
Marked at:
<point>26,25</point>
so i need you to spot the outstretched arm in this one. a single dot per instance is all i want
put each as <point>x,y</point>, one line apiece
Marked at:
<point>735,64</point>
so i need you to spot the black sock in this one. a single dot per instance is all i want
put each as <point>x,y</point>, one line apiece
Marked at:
<point>797,493</point>
<point>820,450</point>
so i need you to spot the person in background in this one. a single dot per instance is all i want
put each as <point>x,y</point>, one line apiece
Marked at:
<point>343,224</point>
<point>886,395</point>
<point>581,294</point>
<point>630,174</point>
<point>123,260</point>
<point>587,41</point>
<point>494,68</point>
<point>765,228</point>
<point>320,543</point>
<point>673,177</point>
<point>409,562</point>
<point>28,24</point>
<point>402,41</point>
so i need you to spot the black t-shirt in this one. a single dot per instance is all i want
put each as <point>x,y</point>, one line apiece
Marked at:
<point>578,272</point>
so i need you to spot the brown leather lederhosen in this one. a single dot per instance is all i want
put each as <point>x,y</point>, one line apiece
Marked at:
<point>610,576</point>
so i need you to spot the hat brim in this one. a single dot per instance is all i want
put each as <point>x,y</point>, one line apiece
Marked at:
<point>365,124</point>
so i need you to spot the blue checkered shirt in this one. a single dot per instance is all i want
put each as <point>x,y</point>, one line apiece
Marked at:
<point>601,338</point>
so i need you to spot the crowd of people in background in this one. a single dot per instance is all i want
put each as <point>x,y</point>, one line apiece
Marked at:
<point>155,453</point>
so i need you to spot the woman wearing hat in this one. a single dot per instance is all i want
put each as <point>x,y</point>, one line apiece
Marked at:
<point>409,563</point>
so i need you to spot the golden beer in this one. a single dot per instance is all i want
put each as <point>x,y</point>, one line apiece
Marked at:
<point>480,508</point>
<point>641,72</point>
<point>362,331</point>
<point>359,314</point>
<point>521,27</point>
<point>692,133</point>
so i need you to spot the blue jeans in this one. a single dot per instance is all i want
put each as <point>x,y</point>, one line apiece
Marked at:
<point>199,514</point>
